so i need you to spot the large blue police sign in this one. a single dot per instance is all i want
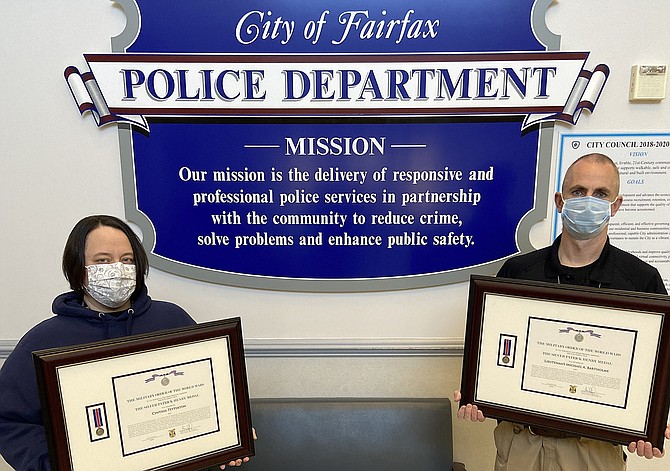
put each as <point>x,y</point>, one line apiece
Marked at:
<point>335,145</point>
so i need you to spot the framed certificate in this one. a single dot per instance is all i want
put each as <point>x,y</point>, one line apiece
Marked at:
<point>170,400</point>
<point>585,361</point>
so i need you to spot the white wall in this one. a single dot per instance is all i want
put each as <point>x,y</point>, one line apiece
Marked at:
<point>58,167</point>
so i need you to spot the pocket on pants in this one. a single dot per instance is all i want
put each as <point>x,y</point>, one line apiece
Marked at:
<point>503,436</point>
<point>604,455</point>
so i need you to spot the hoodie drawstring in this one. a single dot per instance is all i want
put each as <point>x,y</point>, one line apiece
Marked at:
<point>105,323</point>
<point>129,324</point>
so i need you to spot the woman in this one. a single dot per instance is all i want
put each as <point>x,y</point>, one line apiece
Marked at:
<point>106,265</point>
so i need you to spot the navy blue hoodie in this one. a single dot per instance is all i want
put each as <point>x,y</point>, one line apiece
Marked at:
<point>22,436</point>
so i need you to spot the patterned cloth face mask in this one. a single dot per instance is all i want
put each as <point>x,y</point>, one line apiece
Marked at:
<point>585,217</point>
<point>111,284</point>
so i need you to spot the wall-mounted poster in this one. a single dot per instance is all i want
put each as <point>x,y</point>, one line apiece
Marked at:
<point>642,224</point>
<point>335,145</point>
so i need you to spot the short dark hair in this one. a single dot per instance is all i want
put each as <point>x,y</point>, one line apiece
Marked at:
<point>74,260</point>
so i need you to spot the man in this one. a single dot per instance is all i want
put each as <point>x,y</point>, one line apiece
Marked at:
<point>581,255</point>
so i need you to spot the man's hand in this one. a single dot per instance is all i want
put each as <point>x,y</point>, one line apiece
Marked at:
<point>646,449</point>
<point>468,412</point>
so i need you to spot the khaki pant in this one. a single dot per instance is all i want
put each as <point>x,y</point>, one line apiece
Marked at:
<point>520,450</point>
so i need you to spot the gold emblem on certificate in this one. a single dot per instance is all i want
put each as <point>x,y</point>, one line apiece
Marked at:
<point>579,337</point>
<point>164,377</point>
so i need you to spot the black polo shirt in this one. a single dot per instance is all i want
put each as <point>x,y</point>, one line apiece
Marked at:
<point>614,269</point>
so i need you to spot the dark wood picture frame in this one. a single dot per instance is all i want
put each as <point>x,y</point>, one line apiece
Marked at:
<point>130,351</point>
<point>485,289</point>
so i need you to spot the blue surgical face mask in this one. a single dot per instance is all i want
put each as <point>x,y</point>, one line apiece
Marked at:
<point>585,217</point>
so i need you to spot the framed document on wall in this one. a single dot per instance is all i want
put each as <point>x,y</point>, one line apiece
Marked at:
<point>172,400</point>
<point>585,361</point>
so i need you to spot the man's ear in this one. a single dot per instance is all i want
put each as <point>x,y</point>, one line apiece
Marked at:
<point>558,200</point>
<point>617,204</point>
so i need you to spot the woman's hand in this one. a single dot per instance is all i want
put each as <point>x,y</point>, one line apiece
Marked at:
<point>241,460</point>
